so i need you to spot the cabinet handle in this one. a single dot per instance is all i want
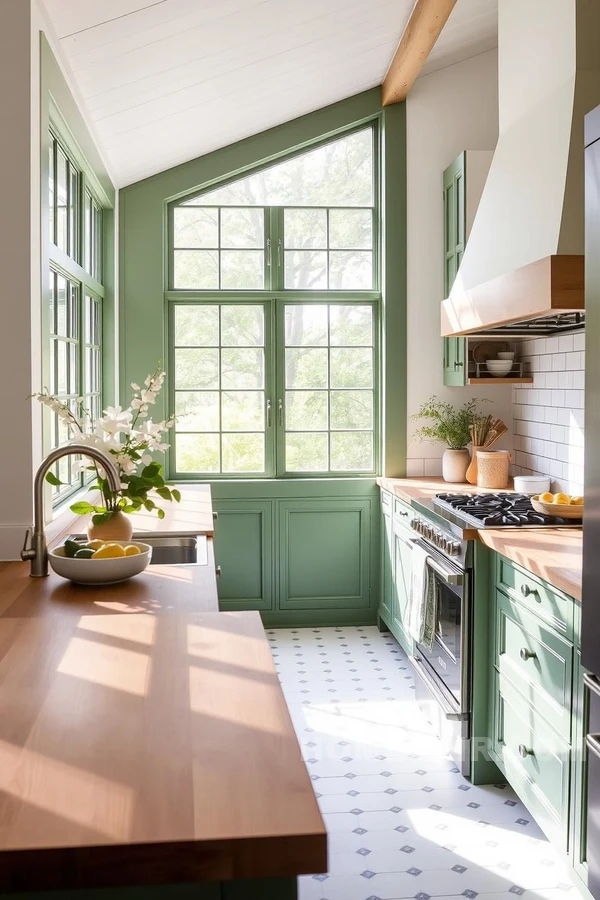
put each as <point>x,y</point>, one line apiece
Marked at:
<point>526,590</point>
<point>218,571</point>
<point>457,365</point>
<point>525,751</point>
<point>402,512</point>
<point>526,654</point>
<point>215,516</point>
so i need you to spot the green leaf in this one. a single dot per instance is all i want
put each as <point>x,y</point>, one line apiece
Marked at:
<point>164,492</point>
<point>52,479</point>
<point>151,470</point>
<point>82,507</point>
<point>149,505</point>
<point>176,495</point>
<point>161,513</point>
<point>101,518</point>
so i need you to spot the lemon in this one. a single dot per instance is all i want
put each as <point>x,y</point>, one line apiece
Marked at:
<point>132,550</point>
<point>576,501</point>
<point>95,544</point>
<point>109,551</point>
<point>562,499</point>
<point>546,498</point>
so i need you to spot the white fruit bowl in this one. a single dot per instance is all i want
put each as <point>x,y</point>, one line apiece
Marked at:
<point>101,571</point>
<point>562,510</point>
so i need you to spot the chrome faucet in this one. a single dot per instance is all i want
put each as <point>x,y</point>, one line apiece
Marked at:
<point>37,550</point>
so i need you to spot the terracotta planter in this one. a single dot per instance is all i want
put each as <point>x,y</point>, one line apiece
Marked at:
<point>454,465</point>
<point>118,528</point>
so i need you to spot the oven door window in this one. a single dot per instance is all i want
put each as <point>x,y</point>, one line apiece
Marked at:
<point>444,656</point>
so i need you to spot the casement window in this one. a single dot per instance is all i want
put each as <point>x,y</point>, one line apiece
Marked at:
<point>73,366</point>
<point>274,318</point>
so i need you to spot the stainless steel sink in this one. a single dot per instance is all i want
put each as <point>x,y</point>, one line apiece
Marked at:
<point>170,549</point>
<point>176,550</point>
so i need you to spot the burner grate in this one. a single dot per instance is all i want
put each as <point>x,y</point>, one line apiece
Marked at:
<point>500,509</point>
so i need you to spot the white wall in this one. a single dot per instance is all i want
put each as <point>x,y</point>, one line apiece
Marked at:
<point>451,110</point>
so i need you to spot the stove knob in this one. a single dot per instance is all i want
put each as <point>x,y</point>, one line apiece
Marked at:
<point>439,537</point>
<point>454,548</point>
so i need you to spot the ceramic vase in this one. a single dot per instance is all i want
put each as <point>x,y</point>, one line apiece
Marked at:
<point>118,528</point>
<point>454,465</point>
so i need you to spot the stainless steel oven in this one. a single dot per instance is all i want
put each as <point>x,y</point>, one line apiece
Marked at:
<point>443,685</point>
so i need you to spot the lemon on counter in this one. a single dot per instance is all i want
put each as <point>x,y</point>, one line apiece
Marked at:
<point>561,498</point>
<point>576,501</point>
<point>109,551</point>
<point>546,498</point>
<point>132,550</point>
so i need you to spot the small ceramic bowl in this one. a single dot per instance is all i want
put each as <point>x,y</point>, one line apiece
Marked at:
<point>499,367</point>
<point>562,510</point>
<point>101,571</point>
<point>507,355</point>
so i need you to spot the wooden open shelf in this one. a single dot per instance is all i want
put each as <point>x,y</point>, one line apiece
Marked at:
<point>492,380</point>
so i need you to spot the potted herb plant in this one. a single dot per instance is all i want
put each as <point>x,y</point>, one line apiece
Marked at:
<point>449,425</point>
<point>130,438</point>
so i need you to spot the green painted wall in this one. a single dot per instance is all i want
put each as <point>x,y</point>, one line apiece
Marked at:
<point>302,551</point>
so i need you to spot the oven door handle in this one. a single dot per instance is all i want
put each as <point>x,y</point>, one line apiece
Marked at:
<point>593,743</point>
<point>450,712</point>
<point>449,576</point>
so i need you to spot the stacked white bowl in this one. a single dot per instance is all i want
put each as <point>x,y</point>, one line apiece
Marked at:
<point>501,366</point>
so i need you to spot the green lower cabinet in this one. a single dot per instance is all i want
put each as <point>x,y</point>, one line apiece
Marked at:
<point>386,572</point>
<point>244,552</point>
<point>324,555</point>
<point>534,759</point>
<point>581,715</point>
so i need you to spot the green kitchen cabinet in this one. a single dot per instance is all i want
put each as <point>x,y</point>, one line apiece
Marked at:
<point>402,554</point>
<point>463,183</point>
<point>386,571</point>
<point>244,553</point>
<point>324,555</point>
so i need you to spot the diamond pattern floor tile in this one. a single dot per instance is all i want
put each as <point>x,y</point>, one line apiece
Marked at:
<point>401,819</point>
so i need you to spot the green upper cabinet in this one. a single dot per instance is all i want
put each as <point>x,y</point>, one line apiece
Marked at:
<point>463,184</point>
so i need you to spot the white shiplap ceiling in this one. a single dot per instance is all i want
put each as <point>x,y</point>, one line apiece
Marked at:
<point>169,80</point>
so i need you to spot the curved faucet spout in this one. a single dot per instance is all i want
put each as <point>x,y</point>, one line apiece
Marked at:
<point>38,551</point>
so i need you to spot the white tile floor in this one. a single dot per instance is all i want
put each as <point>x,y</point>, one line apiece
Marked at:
<point>402,821</point>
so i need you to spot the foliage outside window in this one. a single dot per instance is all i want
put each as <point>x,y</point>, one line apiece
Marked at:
<point>75,295</point>
<point>274,347</point>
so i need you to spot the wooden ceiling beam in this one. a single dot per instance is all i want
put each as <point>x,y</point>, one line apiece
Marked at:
<point>422,31</point>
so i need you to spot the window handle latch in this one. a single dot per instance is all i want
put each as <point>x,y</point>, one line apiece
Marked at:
<point>269,252</point>
<point>279,243</point>
<point>280,411</point>
<point>268,413</point>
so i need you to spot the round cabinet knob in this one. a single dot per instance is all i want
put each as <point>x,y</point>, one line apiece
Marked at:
<point>526,590</point>
<point>525,751</point>
<point>526,654</point>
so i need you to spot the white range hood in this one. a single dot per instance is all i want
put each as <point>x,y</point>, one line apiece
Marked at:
<point>524,257</point>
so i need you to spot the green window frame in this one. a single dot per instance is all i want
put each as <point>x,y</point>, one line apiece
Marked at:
<point>75,292</point>
<point>284,407</point>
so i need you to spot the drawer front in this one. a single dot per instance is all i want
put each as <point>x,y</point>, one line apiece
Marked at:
<point>536,761</point>
<point>386,499</point>
<point>402,511</point>
<point>537,661</point>
<point>534,594</point>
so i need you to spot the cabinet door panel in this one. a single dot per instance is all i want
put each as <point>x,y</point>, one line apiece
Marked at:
<point>243,550</point>
<point>324,554</point>
<point>402,584</point>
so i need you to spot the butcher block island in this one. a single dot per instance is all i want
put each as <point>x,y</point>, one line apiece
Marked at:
<point>145,740</point>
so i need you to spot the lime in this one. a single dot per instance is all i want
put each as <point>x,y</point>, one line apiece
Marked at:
<point>84,553</point>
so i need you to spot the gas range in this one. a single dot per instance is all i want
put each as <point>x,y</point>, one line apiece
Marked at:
<point>501,510</point>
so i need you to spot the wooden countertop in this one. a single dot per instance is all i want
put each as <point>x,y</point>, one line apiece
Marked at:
<point>148,750</point>
<point>554,554</point>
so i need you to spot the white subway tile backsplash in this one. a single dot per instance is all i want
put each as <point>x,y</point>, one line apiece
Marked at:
<point>548,416</point>
<point>565,343</point>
